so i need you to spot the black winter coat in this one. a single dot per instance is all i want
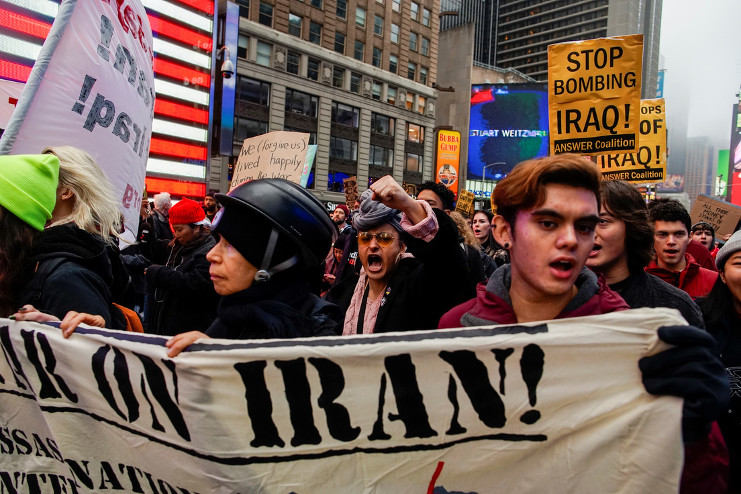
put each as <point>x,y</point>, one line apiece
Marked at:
<point>422,288</point>
<point>181,294</point>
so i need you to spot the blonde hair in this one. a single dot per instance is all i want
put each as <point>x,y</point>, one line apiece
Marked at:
<point>464,228</point>
<point>95,209</point>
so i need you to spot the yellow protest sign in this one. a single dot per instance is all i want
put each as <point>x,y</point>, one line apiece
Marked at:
<point>594,93</point>
<point>278,154</point>
<point>648,165</point>
<point>465,202</point>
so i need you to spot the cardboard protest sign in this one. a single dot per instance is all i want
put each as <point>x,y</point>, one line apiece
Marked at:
<point>351,191</point>
<point>92,87</point>
<point>278,154</point>
<point>448,158</point>
<point>474,410</point>
<point>594,92</point>
<point>648,165</point>
<point>465,202</point>
<point>724,216</point>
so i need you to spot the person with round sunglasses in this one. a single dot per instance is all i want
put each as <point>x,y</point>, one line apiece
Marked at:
<point>412,265</point>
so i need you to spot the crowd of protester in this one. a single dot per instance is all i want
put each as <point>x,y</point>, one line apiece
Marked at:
<point>267,260</point>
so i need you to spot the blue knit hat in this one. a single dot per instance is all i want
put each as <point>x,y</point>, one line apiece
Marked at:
<point>28,186</point>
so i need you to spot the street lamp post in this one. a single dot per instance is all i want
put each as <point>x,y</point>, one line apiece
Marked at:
<point>483,177</point>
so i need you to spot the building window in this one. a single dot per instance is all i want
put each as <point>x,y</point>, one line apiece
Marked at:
<point>355,82</point>
<point>253,91</point>
<point>395,33</point>
<point>339,43</point>
<point>391,95</point>
<point>264,51</point>
<point>377,90</point>
<point>423,75</point>
<point>244,128</point>
<point>316,3</point>
<point>294,25</point>
<point>412,71</point>
<point>345,115</point>
<point>266,14</point>
<point>425,47</point>
<point>359,50</point>
<point>312,69</point>
<point>343,149</point>
<point>338,77</point>
<point>415,11</point>
<point>413,41</point>
<point>243,46</point>
<point>378,25</point>
<point>410,101</point>
<point>396,5</point>
<point>381,156</point>
<point>414,163</point>
<point>341,9</point>
<point>415,133</point>
<point>381,124</point>
<point>315,33</point>
<point>377,55</point>
<point>393,63</point>
<point>301,103</point>
<point>244,8</point>
<point>292,61</point>
<point>421,103</point>
<point>360,17</point>
<point>425,17</point>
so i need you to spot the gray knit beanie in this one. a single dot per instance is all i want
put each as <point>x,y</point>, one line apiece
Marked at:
<point>373,213</point>
<point>731,247</point>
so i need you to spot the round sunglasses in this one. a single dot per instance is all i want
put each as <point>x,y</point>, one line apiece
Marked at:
<point>384,239</point>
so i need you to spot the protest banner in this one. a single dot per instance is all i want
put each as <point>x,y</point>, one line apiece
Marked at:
<point>723,216</point>
<point>10,92</point>
<point>279,154</point>
<point>448,158</point>
<point>464,205</point>
<point>308,164</point>
<point>474,410</point>
<point>92,87</point>
<point>351,191</point>
<point>594,92</point>
<point>648,165</point>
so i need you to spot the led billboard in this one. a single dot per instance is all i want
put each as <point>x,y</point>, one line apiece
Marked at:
<point>509,124</point>
<point>734,162</point>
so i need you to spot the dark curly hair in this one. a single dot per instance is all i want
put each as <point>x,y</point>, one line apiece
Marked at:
<point>623,201</point>
<point>15,244</point>
<point>669,210</point>
<point>447,197</point>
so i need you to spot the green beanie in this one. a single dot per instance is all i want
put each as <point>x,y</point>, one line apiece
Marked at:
<point>28,186</point>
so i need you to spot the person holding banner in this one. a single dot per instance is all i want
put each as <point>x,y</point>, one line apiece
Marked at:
<point>273,237</point>
<point>548,210</point>
<point>412,264</point>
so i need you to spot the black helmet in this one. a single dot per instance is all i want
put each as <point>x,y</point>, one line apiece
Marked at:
<point>273,221</point>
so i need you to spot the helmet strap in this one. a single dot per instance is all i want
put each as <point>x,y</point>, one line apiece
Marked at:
<point>264,274</point>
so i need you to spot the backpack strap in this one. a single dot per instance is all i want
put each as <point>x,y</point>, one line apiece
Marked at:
<point>41,272</point>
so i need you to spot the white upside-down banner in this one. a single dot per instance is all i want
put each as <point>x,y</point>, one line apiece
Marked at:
<point>547,407</point>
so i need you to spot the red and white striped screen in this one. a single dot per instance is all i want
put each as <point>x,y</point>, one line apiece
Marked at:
<point>182,35</point>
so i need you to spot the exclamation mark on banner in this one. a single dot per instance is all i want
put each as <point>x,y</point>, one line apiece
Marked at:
<point>531,366</point>
<point>106,32</point>
<point>87,86</point>
<point>627,112</point>
<point>658,155</point>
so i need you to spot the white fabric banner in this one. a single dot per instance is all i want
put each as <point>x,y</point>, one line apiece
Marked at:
<point>554,407</point>
<point>93,87</point>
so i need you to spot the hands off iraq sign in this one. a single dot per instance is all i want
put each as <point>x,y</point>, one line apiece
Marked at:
<point>504,409</point>
<point>92,87</point>
<point>594,93</point>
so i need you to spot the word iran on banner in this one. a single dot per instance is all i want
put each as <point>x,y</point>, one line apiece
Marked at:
<point>92,87</point>
<point>475,410</point>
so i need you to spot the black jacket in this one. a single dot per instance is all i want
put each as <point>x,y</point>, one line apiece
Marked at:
<point>181,294</point>
<point>423,288</point>
<point>87,275</point>
<point>284,307</point>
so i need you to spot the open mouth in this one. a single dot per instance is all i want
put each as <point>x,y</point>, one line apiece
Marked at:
<point>375,263</point>
<point>671,252</point>
<point>562,266</point>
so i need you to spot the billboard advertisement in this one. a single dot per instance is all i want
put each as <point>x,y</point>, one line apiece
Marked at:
<point>734,162</point>
<point>509,124</point>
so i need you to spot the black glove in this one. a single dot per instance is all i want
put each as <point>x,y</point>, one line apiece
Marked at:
<point>689,370</point>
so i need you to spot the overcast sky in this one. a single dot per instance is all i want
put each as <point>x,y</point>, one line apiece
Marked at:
<point>701,45</point>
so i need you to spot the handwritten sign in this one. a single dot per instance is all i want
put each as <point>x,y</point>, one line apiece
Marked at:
<point>278,154</point>
<point>594,93</point>
<point>648,165</point>
<point>351,192</point>
<point>724,216</point>
<point>465,202</point>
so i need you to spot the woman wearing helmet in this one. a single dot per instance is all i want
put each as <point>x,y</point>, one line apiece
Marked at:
<point>272,239</point>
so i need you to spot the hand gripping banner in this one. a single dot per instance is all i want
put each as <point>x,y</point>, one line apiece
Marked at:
<point>92,87</point>
<point>555,407</point>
